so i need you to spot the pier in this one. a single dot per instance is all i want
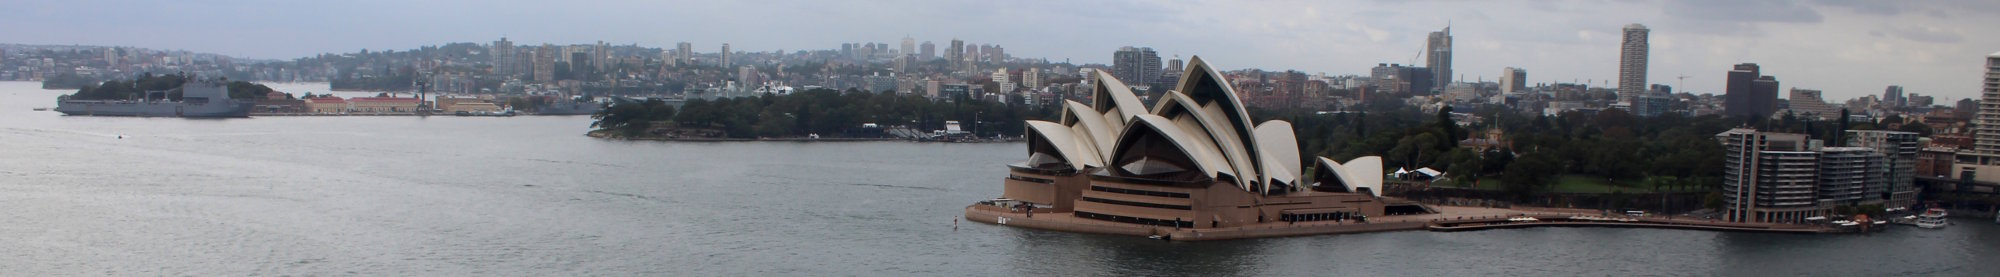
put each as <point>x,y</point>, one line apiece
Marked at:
<point>1448,219</point>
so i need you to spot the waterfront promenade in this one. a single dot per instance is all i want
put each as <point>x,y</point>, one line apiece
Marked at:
<point>1448,219</point>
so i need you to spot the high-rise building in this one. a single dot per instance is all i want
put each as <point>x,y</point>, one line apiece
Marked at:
<point>955,54</point>
<point>1135,65</point>
<point>1000,77</point>
<point>1768,177</point>
<point>600,56</point>
<point>1899,152</point>
<point>1986,125</point>
<point>580,67</point>
<point>1513,80</point>
<point>1893,97</point>
<point>928,52</point>
<point>545,63</point>
<point>1807,103</point>
<point>995,54</point>
<point>1632,62</point>
<point>724,62</point>
<point>1750,93</point>
<point>909,47</point>
<point>502,52</point>
<point>1031,78</point>
<point>685,52</point>
<point>1438,50</point>
<point>901,64</point>
<point>1849,175</point>
<point>972,53</point>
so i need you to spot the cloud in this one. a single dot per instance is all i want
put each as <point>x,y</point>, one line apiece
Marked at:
<point>1743,11</point>
<point>1930,34</point>
<point>1867,6</point>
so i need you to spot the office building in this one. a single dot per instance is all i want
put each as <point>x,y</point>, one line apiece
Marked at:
<point>1632,62</point>
<point>1438,49</point>
<point>1808,104</point>
<point>928,52</point>
<point>909,47</point>
<point>1750,93</point>
<point>1513,80</point>
<point>956,53</point>
<point>1893,97</point>
<point>1136,65</point>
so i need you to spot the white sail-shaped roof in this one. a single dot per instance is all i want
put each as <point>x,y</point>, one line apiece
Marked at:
<point>1280,148</point>
<point>1115,100</point>
<point>1203,154</point>
<point>1064,141</point>
<point>1212,93</point>
<point>1092,127</point>
<point>1363,172</point>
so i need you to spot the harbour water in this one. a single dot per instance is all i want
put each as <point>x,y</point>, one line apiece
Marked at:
<point>531,196</point>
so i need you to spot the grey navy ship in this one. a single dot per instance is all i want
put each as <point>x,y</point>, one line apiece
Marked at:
<point>199,98</point>
<point>572,106</point>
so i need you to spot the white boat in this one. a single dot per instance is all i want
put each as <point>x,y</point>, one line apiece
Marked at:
<point>1932,219</point>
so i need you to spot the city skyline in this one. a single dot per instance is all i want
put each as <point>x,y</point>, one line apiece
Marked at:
<point>1845,49</point>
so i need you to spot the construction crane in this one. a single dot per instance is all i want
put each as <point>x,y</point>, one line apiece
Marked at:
<point>1683,83</point>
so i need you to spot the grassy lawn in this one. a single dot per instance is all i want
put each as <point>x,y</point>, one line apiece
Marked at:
<point>1575,184</point>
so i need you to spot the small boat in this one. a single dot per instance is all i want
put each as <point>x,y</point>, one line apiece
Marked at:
<point>1932,219</point>
<point>41,109</point>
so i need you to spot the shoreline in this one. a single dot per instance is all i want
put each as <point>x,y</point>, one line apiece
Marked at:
<point>1449,219</point>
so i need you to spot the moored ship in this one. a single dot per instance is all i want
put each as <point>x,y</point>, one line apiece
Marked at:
<point>572,106</point>
<point>199,98</point>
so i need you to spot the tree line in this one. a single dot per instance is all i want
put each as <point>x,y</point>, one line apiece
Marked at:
<point>825,112</point>
<point>1666,151</point>
<point>170,83</point>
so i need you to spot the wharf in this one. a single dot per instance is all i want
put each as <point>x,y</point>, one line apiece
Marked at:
<point>1448,219</point>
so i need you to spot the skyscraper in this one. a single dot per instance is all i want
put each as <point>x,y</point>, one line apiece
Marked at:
<point>1893,97</point>
<point>725,56</point>
<point>1632,63</point>
<point>909,47</point>
<point>1513,80</point>
<point>502,52</point>
<point>600,56</point>
<point>1135,65</point>
<point>929,51</point>
<point>1986,130</point>
<point>685,52</point>
<point>995,54</point>
<point>1438,49</point>
<point>1749,92</point>
<point>956,53</point>
<point>545,63</point>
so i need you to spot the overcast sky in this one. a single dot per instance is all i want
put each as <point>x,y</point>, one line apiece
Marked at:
<point>1847,48</point>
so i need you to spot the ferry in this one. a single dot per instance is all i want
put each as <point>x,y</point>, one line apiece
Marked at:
<point>1932,219</point>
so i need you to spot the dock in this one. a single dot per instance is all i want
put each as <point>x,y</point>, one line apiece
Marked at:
<point>1448,219</point>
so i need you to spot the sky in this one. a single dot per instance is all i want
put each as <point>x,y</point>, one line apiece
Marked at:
<point>1847,48</point>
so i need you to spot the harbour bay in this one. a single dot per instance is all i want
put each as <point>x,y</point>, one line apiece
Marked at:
<point>533,196</point>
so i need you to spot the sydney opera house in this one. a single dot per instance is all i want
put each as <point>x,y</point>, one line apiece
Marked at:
<point>1194,165</point>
